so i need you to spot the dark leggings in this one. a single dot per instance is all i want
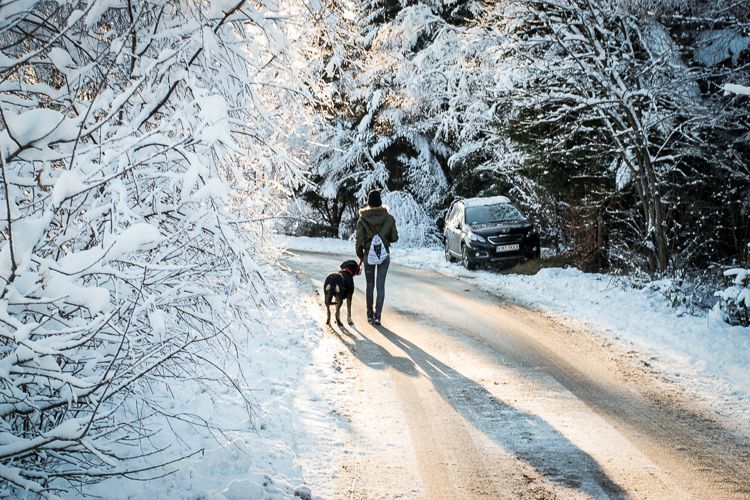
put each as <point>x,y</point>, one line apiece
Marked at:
<point>370,271</point>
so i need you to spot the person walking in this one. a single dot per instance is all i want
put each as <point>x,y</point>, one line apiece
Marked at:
<point>376,230</point>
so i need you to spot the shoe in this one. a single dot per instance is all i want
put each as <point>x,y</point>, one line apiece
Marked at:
<point>370,319</point>
<point>376,321</point>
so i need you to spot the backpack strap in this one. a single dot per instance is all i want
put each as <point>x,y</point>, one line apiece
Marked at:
<point>372,229</point>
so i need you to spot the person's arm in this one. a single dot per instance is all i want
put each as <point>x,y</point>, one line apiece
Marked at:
<point>359,241</point>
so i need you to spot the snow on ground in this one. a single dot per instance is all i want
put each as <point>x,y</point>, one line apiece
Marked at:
<point>703,355</point>
<point>264,455</point>
<point>292,382</point>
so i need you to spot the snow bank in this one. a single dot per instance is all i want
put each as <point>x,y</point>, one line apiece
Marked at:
<point>257,454</point>
<point>702,347</point>
<point>733,305</point>
<point>320,245</point>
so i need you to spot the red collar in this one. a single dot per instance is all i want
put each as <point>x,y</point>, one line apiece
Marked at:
<point>348,271</point>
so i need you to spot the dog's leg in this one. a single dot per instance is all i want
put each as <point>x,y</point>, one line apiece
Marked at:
<point>338,313</point>
<point>327,299</point>
<point>349,310</point>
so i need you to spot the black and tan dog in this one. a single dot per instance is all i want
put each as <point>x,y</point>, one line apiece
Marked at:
<point>339,286</point>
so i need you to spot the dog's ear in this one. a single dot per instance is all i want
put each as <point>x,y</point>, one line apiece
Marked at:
<point>356,267</point>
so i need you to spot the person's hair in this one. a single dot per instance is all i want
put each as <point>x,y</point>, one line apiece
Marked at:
<point>373,199</point>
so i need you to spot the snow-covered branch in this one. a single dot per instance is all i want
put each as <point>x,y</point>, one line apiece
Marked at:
<point>132,135</point>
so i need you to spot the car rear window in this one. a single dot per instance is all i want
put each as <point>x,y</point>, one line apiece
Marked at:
<point>502,212</point>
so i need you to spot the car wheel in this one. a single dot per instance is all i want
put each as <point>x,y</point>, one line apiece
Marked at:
<point>448,255</point>
<point>468,264</point>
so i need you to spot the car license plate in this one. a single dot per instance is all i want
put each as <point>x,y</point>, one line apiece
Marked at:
<point>507,248</point>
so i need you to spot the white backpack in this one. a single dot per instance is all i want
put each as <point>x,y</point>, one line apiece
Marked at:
<point>377,253</point>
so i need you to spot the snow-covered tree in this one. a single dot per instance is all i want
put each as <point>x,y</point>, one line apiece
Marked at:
<point>613,116</point>
<point>138,141</point>
<point>737,89</point>
<point>405,105</point>
<point>605,119</point>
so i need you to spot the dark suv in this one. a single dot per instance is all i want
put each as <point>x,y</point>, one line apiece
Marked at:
<point>488,230</point>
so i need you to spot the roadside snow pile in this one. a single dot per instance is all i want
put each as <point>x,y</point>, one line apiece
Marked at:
<point>708,355</point>
<point>243,452</point>
<point>640,317</point>
<point>734,301</point>
<point>319,245</point>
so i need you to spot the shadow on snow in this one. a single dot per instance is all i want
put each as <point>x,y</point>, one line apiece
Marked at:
<point>526,435</point>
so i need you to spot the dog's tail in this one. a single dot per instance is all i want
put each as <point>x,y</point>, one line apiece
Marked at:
<point>330,291</point>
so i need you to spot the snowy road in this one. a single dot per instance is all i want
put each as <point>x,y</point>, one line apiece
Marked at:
<point>459,395</point>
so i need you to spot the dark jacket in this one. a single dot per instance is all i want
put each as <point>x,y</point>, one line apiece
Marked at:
<point>374,221</point>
